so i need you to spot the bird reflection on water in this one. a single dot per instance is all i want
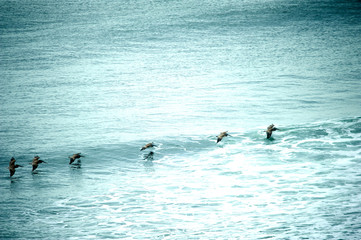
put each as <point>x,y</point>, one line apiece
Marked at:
<point>76,165</point>
<point>149,156</point>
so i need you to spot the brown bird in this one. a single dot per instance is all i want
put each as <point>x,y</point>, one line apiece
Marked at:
<point>221,136</point>
<point>36,162</point>
<point>270,129</point>
<point>148,145</point>
<point>12,166</point>
<point>75,156</point>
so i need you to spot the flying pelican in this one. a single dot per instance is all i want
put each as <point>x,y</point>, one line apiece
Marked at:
<point>36,162</point>
<point>270,129</point>
<point>12,166</point>
<point>75,156</point>
<point>148,145</point>
<point>221,136</point>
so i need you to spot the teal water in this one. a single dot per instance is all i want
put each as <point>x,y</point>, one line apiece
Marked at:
<point>104,78</point>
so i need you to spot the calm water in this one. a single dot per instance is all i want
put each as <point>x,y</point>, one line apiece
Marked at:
<point>106,77</point>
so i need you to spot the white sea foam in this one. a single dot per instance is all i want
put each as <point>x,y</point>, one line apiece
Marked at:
<point>104,78</point>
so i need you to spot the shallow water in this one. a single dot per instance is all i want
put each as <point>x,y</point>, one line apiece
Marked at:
<point>105,78</point>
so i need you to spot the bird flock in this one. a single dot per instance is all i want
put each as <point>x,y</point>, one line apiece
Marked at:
<point>36,160</point>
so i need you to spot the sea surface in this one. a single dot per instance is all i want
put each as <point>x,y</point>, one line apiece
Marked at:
<point>104,78</point>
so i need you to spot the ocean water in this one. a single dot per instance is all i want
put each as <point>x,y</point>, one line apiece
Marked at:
<point>106,77</point>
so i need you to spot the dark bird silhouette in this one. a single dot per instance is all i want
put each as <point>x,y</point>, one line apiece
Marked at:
<point>148,145</point>
<point>12,166</point>
<point>75,156</point>
<point>270,129</point>
<point>36,162</point>
<point>149,156</point>
<point>221,136</point>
